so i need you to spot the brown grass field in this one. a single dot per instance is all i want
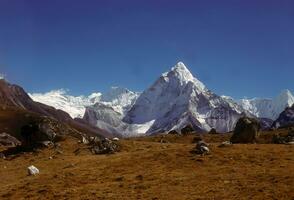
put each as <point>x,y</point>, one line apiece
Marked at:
<point>148,169</point>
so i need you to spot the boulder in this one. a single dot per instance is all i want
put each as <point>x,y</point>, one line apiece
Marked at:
<point>8,140</point>
<point>104,146</point>
<point>225,144</point>
<point>288,139</point>
<point>246,131</point>
<point>115,139</point>
<point>85,140</point>
<point>201,148</point>
<point>32,170</point>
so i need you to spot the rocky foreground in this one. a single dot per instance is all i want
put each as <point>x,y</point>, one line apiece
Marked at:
<point>152,168</point>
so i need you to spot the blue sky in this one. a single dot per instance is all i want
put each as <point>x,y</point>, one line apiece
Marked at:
<point>236,47</point>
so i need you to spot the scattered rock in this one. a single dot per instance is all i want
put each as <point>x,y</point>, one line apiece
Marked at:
<point>290,143</point>
<point>104,146</point>
<point>58,151</point>
<point>115,139</point>
<point>225,144</point>
<point>246,131</point>
<point>8,140</point>
<point>288,139</point>
<point>85,140</point>
<point>201,148</point>
<point>47,143</point>
<point>2,156</point>
<point>163,140</point>
<point>69,166</point>
<point>32,170</point>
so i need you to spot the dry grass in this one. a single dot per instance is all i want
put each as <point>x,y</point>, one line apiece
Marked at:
<point>147,169</point>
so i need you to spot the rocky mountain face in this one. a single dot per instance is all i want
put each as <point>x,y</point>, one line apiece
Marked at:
<point>268,108</point>
<point>286,118</point>
<point>14,95</point>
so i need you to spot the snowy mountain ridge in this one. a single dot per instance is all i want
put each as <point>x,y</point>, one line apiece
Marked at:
<point>118,98</point>
<point>177,99</point>
<point>268,108</point>
<point>174,100</point>
<point>60,99</point>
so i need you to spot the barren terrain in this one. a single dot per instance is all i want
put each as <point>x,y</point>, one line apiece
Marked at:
<point>145,168</point>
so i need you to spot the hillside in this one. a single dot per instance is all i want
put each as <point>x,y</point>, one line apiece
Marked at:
<point>148,169</point>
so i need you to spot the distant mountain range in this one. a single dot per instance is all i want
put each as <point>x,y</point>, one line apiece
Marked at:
<point>268,108</point>
<point>18,110</point>
<point>176,99</point>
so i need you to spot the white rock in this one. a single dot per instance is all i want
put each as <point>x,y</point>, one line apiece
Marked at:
<point>115,139</point>
<point>290,143</point>
<point>204,149</point>
<point>32,170</point>
<point>85,141</point>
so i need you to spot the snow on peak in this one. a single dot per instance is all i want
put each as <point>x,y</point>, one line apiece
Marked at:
<point>286,95</point>
<point>120,99</point>
<point>2,76</point>
<point>182,76</point>
<point>60,99</point>
<point>114,93</point>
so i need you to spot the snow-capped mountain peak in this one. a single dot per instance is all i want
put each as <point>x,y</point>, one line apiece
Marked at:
<point>177,99</point>
<point>182,71</point>
<point>181,75</point>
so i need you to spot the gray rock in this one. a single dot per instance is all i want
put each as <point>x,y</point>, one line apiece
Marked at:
<point>225,144</point>
<point>104,146</point>
<point>8,140</point>
<point>288,139</point>
<point>202,148</point>
<point>246,131</point>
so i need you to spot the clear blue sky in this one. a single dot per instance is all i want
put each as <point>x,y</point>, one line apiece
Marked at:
<point>236,47</point>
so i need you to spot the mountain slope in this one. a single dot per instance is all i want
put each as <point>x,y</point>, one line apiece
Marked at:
<point>14,95</point>
<point>177,99</point>
<point>286,118</point>
<point>14,98</point>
